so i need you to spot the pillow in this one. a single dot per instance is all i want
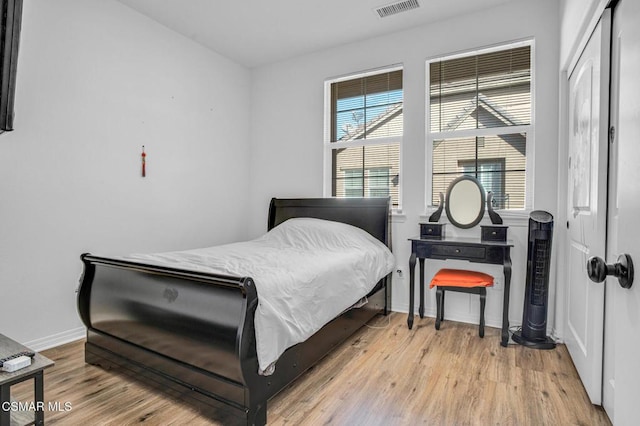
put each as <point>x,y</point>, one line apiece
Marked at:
<point>310,233</point>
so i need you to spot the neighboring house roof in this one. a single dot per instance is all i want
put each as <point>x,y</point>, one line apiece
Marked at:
<point>495,112</point>
<point>371,125</point>
<point>480,101</point>
<point>484,102</point>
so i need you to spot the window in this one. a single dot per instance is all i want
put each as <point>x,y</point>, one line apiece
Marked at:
<point>479,122</point>
<point>353,183</point>
<point>364,127</point>
<point>378,182</point>
<point>490,174</point>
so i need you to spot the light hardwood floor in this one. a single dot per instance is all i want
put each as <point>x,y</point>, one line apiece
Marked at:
<point>384,375</point>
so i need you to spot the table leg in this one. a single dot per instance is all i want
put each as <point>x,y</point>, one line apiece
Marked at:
<point>412,276</point>
<point>5,400</point>
<point>38,390</point>
<point>421,261</point>
<point>505,303</point>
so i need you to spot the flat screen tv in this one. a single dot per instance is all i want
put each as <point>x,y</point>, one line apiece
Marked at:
<point>10,38</point>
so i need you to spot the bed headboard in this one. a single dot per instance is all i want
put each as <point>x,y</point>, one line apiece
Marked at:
<point>370,214</point>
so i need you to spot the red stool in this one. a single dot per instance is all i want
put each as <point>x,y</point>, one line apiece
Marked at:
<point>462,281</point>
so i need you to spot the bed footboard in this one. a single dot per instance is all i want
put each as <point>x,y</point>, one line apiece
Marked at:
<point>195,329</point>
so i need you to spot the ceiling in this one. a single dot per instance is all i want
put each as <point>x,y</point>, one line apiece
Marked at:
<point>259,32</point>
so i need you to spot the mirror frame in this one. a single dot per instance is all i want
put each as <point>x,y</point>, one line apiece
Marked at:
<point>480,214</point>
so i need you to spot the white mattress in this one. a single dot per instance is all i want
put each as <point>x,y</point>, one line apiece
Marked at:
<point>307,271</point>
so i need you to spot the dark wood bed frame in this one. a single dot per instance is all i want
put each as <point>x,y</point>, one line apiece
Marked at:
<point>192,333</point>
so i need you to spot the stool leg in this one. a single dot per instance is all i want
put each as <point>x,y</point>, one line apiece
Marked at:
<point>483,297</point>
<point>442,308</point>
<point>439,303</point>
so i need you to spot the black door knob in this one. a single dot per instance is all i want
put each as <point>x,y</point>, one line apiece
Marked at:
<point>598,270</point>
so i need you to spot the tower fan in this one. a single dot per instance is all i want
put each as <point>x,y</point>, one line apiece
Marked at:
<point>534,318</point>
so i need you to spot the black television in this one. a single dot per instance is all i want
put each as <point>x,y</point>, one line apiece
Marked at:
<point>9,41</point>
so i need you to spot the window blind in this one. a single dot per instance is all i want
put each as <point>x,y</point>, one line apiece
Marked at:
<point>480,92</point>
<point>360,106</point>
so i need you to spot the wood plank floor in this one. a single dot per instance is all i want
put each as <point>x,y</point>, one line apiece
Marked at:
<point>384,375</point>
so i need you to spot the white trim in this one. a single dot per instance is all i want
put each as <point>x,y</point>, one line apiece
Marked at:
<point>388,140</point>
<point>326,139</point>
<point>57,339</point>
<point>397,216</point>
<point>491,131</point>
<point>361,74</point>
<point>530,172</point>
<point>561,236</point>
<point>513,218</point>
<point>464,317</point>
<point>482,50</point>
<point>587,28</point>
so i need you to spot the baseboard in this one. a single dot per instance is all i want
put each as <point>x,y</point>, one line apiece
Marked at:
<point>57,339</point>
<point>470,318</point>
<point>558,337</point>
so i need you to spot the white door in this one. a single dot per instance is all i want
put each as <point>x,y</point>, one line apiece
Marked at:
<point>622,366</point>
<point>587,201</point>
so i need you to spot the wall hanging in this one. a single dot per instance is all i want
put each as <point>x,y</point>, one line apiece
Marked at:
<point>144,162</point>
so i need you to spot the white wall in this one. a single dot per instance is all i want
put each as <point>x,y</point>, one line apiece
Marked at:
<point>287,129</point>
<point>96,81</point>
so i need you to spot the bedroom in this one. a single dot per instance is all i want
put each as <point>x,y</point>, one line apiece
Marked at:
<point>97,81</point>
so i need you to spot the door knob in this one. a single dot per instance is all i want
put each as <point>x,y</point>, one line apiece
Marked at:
<point>598,270</point>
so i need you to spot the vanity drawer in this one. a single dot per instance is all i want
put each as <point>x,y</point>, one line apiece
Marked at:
<point>462,252</point>
<point>493,233</point>
<point>432,231</point>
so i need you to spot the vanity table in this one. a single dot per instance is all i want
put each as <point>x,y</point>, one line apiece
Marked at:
<point>471,249</point>
<point>465,208</point>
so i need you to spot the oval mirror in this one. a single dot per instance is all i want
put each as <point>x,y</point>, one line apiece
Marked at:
<point>465,202</point>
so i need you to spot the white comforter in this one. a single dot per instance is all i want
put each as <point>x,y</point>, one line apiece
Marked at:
<point>307,271</point>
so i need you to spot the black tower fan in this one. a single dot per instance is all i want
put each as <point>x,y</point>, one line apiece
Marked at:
<point>534,318</point>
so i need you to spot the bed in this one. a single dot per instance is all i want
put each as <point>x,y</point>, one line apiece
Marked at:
<point>192,332</point>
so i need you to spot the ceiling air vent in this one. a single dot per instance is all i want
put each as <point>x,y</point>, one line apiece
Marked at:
<point>397,7</point>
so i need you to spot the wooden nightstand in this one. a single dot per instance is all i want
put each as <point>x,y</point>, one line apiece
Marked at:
<point>34,371</point>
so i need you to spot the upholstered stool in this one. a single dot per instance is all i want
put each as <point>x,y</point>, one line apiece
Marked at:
<point>461,281</point>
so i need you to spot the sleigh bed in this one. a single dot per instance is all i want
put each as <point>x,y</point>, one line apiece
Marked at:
<point>192,332</point>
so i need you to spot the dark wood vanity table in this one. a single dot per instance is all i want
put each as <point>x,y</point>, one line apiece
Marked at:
<point>471,249</point>
<point>465,208</point>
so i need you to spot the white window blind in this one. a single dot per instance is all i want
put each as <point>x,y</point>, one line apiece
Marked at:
<point>479,121</point>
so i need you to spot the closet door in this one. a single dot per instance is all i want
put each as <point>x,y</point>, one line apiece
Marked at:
<point>622,372</point>
<point>587,203</point>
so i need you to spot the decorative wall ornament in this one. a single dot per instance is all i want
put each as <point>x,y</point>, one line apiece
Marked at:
<point>144,156</point>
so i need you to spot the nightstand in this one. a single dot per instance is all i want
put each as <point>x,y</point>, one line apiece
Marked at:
<point>34,371</point>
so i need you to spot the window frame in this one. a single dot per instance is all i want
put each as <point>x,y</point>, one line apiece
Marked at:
<point>329,146</point>
<point>528,129</point>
